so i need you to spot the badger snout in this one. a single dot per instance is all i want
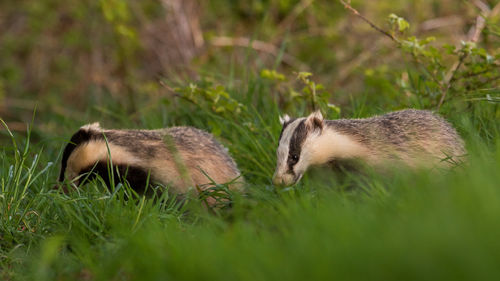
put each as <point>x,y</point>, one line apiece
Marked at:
<point>285,179</point>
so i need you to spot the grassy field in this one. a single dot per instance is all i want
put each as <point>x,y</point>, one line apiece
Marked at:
<point>410,225</point>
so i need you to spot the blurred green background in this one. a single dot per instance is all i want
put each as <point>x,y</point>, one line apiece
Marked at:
<point>65,57</point>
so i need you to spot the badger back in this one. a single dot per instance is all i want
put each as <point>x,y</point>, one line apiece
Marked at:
<point>418,137</point>
<point>144,155</point>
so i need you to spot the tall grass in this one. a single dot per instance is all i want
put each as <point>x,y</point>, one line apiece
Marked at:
<point>408,226</point>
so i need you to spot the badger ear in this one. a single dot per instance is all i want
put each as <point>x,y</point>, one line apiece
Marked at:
<point>284,119</point>
<point>315,121</point>
<point>94,126</point>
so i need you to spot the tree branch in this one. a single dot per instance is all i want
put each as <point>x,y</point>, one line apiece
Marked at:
<point>355,12</point>
<point>261,46</point>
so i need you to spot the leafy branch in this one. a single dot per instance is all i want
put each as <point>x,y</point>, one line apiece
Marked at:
<point>420,51</point>
<point>374,26</point>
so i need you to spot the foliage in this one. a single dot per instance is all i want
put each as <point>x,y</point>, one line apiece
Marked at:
<point>312,94</point>
<point>398,23</point>
<point>214,96</point>
<point>82,61</point>
<point>440,76</point>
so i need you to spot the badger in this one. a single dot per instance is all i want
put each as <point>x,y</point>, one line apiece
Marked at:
<point>178,157</point>
<point>414,138</point>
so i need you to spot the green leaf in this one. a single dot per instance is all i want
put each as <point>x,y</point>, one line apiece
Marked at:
<point>304,76</point>
<point>401,23</point>
<point>272,75</point>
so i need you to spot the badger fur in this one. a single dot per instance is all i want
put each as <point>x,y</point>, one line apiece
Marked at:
<point>416,138</point>
<point>178,157</point>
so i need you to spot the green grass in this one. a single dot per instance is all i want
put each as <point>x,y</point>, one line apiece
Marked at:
<point>408,226</point>
<point>412,225</point>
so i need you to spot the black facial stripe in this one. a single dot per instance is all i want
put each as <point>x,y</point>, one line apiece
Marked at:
<point>296,177</point>
<point>296,141</point>
<point>284,126</point>
<point>78,138</point>
<point>136,176</point>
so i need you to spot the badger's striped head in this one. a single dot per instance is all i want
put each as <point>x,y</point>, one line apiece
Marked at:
<point>90,150</point>
<point>295,151</point>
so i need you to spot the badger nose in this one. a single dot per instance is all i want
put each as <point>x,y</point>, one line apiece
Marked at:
<point>277,180</point>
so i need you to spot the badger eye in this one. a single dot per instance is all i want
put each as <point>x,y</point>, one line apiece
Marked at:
<point>294,158</point>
